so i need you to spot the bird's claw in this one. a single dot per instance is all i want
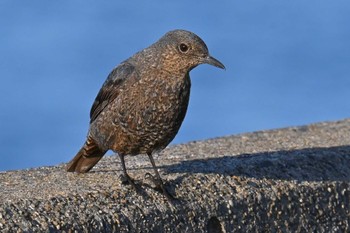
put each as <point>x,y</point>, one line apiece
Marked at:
<point>123,179</point>
<point>149,176</point>
<point>160,187</point>
<point>127,180</point>
<point>156,181</point>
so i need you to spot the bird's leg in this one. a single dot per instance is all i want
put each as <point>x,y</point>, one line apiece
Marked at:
<point>158,181</point>
<point>126,179</point>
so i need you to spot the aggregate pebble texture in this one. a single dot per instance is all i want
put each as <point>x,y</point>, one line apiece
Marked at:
<point>294,179</point>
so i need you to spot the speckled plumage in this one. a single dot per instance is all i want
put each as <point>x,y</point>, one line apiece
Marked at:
<point>143,102</point>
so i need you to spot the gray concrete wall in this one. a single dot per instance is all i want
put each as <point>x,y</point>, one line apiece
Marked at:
<point>285,180</point>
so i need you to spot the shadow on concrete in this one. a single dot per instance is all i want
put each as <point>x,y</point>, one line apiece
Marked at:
<point>309,164</point>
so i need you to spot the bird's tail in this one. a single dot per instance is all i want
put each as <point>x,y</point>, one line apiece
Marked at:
<point>86,158</point>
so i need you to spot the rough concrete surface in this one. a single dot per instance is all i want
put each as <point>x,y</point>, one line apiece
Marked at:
<point>285,180</point>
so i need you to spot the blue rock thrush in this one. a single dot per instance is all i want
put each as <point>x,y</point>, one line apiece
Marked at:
<point>143,102</point>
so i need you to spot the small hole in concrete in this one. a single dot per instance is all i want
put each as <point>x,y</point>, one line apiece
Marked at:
<point>214,226</point>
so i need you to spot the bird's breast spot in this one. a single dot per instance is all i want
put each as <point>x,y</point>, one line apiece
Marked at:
<point>147,114</point>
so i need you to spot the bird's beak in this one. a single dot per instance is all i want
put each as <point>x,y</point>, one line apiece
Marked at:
<point>212,61</point>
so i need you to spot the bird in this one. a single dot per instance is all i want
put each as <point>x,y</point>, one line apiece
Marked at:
<point>142,104</point>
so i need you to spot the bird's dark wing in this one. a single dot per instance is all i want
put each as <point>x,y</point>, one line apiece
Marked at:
<point>111,88</point>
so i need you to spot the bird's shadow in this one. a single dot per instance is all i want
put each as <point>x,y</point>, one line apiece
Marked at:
<point>308,164</point>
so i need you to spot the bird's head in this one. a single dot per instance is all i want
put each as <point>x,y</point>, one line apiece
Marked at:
<point>183,50</point>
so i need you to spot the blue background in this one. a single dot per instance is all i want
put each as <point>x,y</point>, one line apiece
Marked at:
<point>288,63</point>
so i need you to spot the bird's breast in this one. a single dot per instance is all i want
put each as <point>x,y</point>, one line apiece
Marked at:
<point>152,112</point>
<point>145,116</point>
<point>161,101</point>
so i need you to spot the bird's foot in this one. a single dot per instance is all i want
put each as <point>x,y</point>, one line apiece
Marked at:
<point>160,187</point>
<point>127,180</point>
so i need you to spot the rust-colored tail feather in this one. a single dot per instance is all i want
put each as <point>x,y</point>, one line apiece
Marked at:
<point>86,158</point>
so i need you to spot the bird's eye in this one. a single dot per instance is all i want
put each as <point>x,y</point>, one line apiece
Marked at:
<point>183,48</point>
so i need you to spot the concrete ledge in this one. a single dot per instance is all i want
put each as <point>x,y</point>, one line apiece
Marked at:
<point>286,180</point>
